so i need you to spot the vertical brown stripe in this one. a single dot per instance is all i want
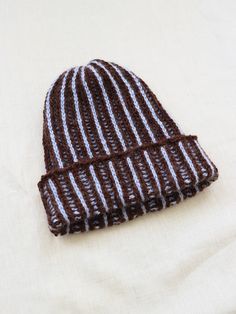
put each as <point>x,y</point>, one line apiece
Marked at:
<point>156,129</point>
<point>103,114</point>
<point>117,108</point>
<point>145,138</point>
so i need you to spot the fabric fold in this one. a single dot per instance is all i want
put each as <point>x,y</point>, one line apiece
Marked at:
<point>88,196</point>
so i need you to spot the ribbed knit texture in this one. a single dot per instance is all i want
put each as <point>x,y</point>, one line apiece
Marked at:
<point>112,153</point>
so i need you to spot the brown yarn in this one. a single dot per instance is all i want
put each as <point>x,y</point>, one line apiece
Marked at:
<point>112,152</point>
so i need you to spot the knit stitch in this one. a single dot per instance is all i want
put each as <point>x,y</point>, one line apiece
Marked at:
<point>112,152</point>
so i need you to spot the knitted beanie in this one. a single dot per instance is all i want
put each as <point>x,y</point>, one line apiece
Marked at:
<point>112,152</point>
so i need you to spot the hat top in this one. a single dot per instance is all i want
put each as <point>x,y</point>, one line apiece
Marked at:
<point>100,109</point>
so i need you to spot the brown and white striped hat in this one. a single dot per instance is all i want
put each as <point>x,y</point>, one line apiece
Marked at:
<point>112,152</point>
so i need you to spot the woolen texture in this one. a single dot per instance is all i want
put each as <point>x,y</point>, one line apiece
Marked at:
<point>112,153</point>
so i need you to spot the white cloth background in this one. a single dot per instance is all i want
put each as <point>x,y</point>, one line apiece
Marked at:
<point>181,260</point>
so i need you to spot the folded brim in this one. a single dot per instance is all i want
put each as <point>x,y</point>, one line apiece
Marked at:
<point>112,190</point>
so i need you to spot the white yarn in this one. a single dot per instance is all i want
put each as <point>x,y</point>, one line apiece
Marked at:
<point>59,204</point>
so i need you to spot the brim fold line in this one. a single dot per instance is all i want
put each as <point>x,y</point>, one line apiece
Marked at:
<point>111,191</point>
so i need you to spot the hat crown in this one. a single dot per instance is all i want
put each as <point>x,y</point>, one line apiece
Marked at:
<point>99,110</point>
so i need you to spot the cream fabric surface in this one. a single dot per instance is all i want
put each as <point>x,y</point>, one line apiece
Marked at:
<point>181,260</point>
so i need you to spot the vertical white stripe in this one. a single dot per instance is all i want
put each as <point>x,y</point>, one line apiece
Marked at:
<point>49,125</point>
<point>78,115</point>
<point>138,83</point>
<point>119,189</point>
<point>132,94</point>
<point>159,122</point>
<point>136,180</point>
<point>98,187</point>
<point>54,216</point>
<point>108,105</point>
<point>91,102</point>
<point>142,91</point>
<point>63,116</point>
<point>86,224</point>
<point>81,198</point>
<point>206,158</point>
<point>155,177</point>
<point>124,213</point>
<point>59,204</point>
<point>79,194</point>
<point>189,162</point>
<point>105,219</point>
<point>165,155</point>
<point>143,208</point>
<point>100,192</point>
